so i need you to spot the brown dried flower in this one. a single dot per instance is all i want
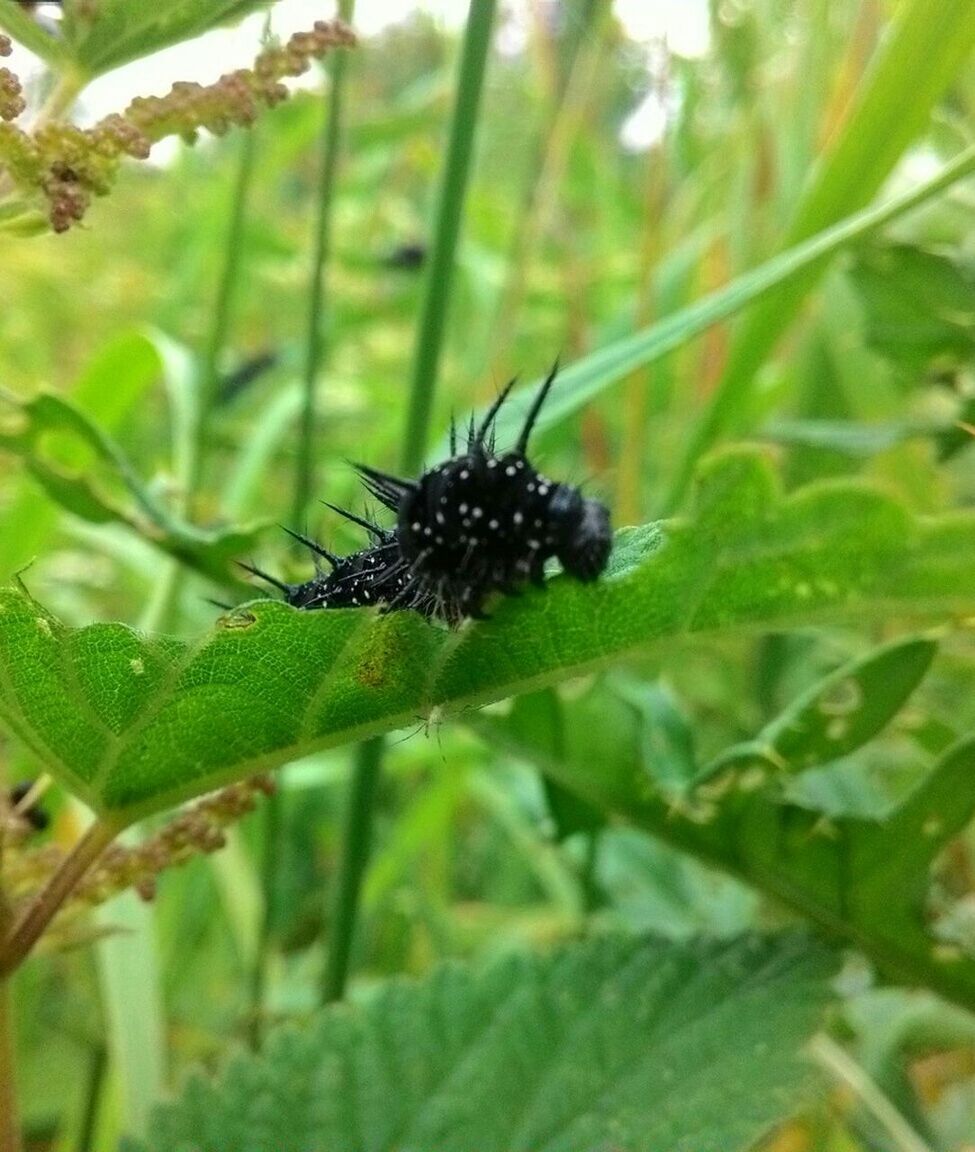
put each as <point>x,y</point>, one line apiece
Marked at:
<point>197,830</point>
<point>12,101</point>
<point>68,166</point>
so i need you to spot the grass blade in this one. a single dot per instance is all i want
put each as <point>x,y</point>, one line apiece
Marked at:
<point>477,41</point>
<point>891,110</point>
<point>587,378</point>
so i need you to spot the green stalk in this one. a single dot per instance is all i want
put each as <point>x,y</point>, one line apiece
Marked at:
<point>127,961</point>
<point>317,297</point>
<point>209,380</point>
<point>847,1072</point>
<point>356,843</point>
<point>366,770</point>
<point>892,110</point>
<point>570,106</point>
<point>87,1126</point>
<point>272,825</point>
<point>477,41</point>
<point>315,346</point>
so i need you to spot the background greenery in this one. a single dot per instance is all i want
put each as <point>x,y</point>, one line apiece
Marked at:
<point>710,652</point>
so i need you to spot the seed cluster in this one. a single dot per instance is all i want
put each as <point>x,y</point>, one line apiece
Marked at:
<point>478,524</point>
<point>67,166</point>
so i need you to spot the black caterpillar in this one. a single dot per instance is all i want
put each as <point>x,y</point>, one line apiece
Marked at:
<point>361,580</point>
<point>477,524</point>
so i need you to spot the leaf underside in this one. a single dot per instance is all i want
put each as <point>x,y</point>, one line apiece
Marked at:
<point>135,723</point>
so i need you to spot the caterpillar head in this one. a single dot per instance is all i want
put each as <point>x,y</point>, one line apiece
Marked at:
<point>582,531</point>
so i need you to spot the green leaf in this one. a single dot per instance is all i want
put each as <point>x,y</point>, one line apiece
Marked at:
<point>85,471</point>
<point>864,880</point>
<point>639,1046</point>
<point>835,716</point>
<point>21,25</point>
<point>667,744</point>
<point>585,379</point>
<point>136,723</point>
<point>935,813</point>
<point>122,31</point>
<point>919,306</point>
<point>110,385</point>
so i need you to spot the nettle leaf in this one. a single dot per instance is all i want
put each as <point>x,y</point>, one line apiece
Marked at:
<point>630,1044</point>
<point>135,723</point>
<point>837,715</point>
<point>919,305</point>
<point>120,31</point>
<point>86,472</point>
<point>864,880</point>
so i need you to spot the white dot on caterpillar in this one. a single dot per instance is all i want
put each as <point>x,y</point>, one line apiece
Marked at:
<point>518,518</point>
<point>510,470</point>
<point>492,463</point>
<point>464,474</point>
<point>534,545</point>
<point>543,489</point>
<point>493,525</point>
<point>462,509</point>
<point>428,531</point>
<point>538,523</point>
<point>416,525</point>
<point>439,518</point>
<point>477,513</point>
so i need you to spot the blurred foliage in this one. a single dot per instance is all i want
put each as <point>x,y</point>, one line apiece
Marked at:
<point>571,242</point>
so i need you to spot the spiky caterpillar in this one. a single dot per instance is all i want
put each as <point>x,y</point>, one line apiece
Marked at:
<point>482,523</point>
<point>477,524</point>
<point>361,580</point>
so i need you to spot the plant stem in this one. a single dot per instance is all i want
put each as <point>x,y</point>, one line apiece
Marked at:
<point>29,927</point>
<point>366,770</point>
<point>329,149</point>
<point>570,106</point>
<point>317,307</point>
<point>9,1112</point>
<point>62,96</point>
<point>209,380</point>
<point>93,1095</point>
<point>272,821</point>
<point>477,40</point>
<point>631,470</point>
<point>829,1055</point>
<point>356,842</point>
